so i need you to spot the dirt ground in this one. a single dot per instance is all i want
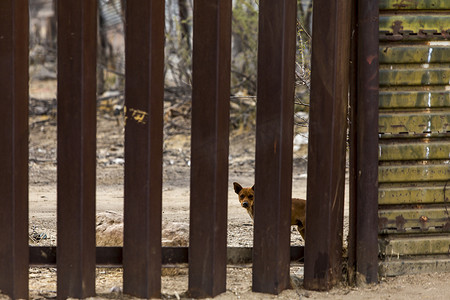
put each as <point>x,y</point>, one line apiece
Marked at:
<point>110,160</point>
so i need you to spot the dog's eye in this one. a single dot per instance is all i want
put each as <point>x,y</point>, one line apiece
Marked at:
<point>250,196</point>
<point>242,196</point>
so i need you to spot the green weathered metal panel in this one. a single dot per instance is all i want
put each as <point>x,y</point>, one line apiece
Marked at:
<point>415,246</point>
<point>396,266</point>
<point>414,4</point>
<point>433,193</point>
<point>391,75</point>
<point>397,54</point>
<point>409,135</point>
<point>414,220</point>
<point>414,23</point>
<point>414,173</point>
<point>414,99</point>
<point>416,122</point>
<point>414,126</point>
<point>420,150</point>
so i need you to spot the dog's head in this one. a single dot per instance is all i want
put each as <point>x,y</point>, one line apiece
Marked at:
<point>246,197</point>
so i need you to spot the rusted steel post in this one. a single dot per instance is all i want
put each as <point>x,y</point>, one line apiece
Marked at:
<point>274,137</point>
<point>14,148</point>
<point>327,143</point>
<point>209,144</point>
<point>352,148</point>
<point>364,163</point>
<point>144,94</point>
<point>77,42</point>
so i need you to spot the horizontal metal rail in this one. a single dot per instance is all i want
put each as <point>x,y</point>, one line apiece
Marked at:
<point>414,4</point>
<point>112,256</point>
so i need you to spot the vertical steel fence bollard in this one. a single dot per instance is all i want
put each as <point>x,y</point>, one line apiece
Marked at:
<point>14,147</point>
<point>144,94</point>
<point>352,132</point>
<point>274,142</point>
<point>77,43</point>
<point>363,237</point>
<point>327,143</point>
<point>209,144</point>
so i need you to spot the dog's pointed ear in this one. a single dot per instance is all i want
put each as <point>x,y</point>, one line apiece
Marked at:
<point>253,187</point>
<point>237,187</point>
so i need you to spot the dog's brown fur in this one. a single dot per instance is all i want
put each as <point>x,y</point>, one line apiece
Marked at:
<point>298,214</point>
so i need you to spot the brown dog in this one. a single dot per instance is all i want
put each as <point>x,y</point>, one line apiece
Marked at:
<point>298,213</point>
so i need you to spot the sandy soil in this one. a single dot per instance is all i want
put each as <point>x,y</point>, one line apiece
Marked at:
<point>42,217</point>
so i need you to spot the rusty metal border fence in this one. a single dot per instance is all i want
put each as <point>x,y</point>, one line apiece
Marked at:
<point>76,255</point>
<point>274,132</point>
<point>209,147</point>
<point>144,93</point>
<point>327,143</point>
<point>363,135</point>
<point>76,147</point>
<point>14,147</point>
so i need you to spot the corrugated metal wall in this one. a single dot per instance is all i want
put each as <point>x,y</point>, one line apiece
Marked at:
<point>414,144</point>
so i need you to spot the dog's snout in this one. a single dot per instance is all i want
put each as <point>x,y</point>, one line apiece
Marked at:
<point>245,204</point>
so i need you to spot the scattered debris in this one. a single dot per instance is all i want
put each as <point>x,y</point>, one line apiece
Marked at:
<point>35,236</point>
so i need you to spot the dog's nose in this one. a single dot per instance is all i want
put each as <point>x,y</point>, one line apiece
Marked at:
<point>245,204</point>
